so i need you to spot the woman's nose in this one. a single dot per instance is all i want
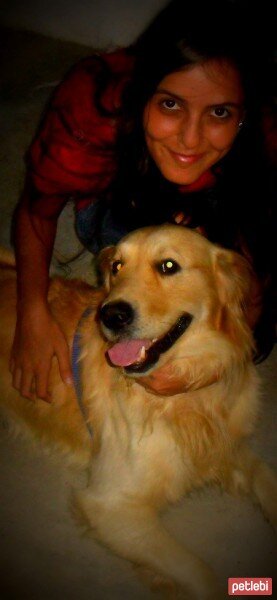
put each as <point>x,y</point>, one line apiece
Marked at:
<point>190,131</point>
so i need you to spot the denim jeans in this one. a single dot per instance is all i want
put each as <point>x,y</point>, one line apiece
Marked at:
<point>96,227</point>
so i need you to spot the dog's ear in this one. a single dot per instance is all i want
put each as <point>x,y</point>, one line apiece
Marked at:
<point>238,287</point>
<point>103,265</point>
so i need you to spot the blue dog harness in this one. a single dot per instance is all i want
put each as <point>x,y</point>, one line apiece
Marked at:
<point>76,370</point>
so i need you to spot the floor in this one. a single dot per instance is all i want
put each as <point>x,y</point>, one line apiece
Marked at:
<point>44,555</point>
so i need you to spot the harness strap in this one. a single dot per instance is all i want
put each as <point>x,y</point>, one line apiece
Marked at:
<point>76,368</point>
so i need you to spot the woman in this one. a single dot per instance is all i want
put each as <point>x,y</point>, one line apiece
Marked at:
<point>170,129</point>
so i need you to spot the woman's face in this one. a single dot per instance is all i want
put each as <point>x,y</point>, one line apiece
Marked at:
<point>192,119</point>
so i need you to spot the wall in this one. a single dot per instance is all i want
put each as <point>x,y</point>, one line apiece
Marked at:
<point>98,23</point>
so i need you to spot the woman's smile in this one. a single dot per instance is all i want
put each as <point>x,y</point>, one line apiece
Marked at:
<point>184,159</point>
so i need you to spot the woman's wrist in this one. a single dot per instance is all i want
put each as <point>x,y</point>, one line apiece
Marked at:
<point>32,306</point>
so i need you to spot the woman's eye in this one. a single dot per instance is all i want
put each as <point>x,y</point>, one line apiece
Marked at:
<point>220,112</point>
<point>116,266</point>
<point>168,267</point>
<point>170,104</point>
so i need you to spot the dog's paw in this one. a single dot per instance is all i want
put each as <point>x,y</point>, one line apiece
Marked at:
<point>162,586</point>
<point>168,589</point>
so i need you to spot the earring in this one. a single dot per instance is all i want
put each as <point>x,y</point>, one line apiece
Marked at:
<point>240,124</point>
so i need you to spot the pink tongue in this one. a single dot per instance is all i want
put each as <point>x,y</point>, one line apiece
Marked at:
<point>126,353</point>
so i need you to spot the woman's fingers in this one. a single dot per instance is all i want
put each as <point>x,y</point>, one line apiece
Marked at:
<point>22,381</point>
<point>164,381</point>
<point>16,373</point>
<point>27,384</point>
<point>41,382</point>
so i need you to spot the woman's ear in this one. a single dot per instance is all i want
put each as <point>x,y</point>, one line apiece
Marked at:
<point>238,287</point>
<point>103,265</point>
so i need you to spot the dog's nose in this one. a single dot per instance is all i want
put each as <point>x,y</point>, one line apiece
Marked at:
<point>116,315</point>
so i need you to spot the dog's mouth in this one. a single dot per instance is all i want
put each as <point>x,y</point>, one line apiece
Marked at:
<point>139,355</point>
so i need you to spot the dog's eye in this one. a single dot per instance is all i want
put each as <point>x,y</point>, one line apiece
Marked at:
<point>168,267</point>
<point>116,266</point>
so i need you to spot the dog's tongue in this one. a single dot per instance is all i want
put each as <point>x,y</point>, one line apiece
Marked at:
<point>127,352</point>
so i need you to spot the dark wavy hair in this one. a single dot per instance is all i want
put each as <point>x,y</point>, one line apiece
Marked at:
<point>184,34</point>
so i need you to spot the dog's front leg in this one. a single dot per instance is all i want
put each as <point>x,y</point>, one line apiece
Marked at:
<point>136,533</point>
<point>250,475</point>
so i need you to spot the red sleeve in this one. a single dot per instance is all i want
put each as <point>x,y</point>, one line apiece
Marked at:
<point>73,152</point>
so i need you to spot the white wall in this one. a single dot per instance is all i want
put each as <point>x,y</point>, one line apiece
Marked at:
<point>98,23</point>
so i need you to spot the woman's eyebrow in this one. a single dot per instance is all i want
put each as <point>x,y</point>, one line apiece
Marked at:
<point>215,104</point>
<point>169,93</point>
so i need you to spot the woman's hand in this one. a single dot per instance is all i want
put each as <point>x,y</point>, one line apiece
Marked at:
<point>37,339</point>
<point>165,381</point>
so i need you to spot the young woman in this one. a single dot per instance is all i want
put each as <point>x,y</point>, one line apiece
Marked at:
<point>174,128</point>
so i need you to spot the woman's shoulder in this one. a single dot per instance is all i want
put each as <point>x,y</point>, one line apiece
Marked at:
<point>105,72</point>
<point>88,99</point>
<point>120,61</point>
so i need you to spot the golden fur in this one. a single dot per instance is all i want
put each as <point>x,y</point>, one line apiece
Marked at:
<point>149,450</point>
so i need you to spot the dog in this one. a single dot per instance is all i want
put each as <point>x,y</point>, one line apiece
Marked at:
<point>169,299</point>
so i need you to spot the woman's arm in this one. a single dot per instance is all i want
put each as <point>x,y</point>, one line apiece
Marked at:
<point>37,336</point>
<point>66,159</point>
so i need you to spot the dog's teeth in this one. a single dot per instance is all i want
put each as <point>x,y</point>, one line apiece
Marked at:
<point>142,353</point>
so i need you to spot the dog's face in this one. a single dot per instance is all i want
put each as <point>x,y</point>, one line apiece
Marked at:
<point>164,284</point>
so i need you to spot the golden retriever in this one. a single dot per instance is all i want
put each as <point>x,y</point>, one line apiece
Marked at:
<point>170,297</point>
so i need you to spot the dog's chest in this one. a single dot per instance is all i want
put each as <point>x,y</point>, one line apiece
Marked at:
<point>139,454</point>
